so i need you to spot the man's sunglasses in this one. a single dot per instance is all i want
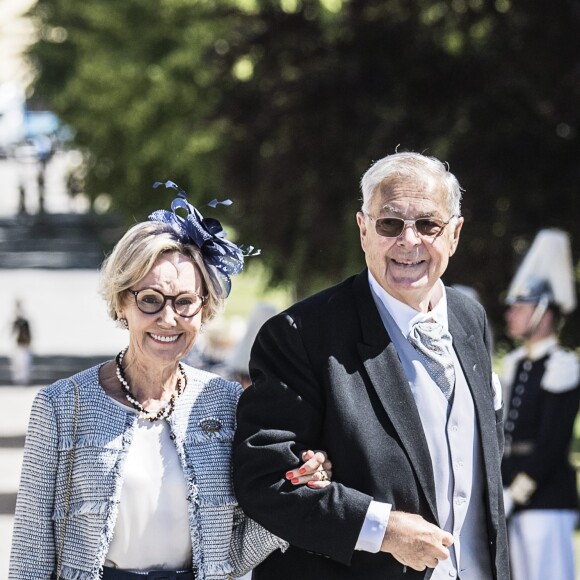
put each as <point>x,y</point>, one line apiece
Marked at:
<point>391,227</point>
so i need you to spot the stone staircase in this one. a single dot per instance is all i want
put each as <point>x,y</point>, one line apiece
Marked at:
<point>55,241</point>
<point>47,369</point>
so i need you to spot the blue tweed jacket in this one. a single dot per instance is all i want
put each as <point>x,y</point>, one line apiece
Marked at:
<point>225,542</point>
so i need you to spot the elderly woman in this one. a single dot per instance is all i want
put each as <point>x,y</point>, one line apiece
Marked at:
<point>126,471</point>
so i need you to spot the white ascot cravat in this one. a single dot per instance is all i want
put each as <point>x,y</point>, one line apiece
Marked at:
<point>434,344</point>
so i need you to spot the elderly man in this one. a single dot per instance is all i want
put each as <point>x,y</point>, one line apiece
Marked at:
<point>390,373</point>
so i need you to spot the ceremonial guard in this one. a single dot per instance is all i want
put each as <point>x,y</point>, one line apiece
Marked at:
<point>541,397</point>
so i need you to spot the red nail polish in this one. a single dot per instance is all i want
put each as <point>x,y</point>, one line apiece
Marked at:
<point>302,470</point>
<point>310,484</point>
<point>295,480</point>
<point>289,474</point>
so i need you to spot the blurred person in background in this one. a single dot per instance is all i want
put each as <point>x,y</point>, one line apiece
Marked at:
<point>541,386</point>
<point>238,362</point>
<point>217,341</point>
<point>21,362</point>
<point>126,470</point>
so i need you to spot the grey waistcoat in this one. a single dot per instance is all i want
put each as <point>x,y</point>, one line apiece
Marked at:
<point>454,446</point>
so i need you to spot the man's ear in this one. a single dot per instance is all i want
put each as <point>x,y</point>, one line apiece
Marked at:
<point>455,236</point>
<point>362,226</point>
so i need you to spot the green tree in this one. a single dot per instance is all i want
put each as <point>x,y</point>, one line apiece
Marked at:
<point>282,105</point>
<point>133,80</point>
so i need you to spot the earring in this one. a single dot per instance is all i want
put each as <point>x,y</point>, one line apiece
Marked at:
<point>122,322</point>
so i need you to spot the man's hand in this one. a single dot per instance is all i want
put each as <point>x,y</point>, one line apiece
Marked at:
<point>415,542</point>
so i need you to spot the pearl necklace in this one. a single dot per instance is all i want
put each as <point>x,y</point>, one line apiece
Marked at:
<point>143,412</point>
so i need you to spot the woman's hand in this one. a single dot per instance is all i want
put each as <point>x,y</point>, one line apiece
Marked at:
<point>316,471</point>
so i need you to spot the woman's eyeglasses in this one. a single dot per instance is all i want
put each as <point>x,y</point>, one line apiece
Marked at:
<point>391,227</point>
<point>151,301</point>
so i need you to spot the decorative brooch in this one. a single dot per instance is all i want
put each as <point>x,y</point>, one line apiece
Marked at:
<point>210,425</point>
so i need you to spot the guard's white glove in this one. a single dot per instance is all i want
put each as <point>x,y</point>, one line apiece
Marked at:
<point>508,502</point>
<point>519,492</point>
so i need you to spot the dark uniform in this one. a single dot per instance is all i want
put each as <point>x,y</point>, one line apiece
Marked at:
<point>541,383</point>
<point>539,422</point>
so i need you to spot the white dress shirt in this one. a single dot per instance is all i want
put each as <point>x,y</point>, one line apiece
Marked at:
<point>375,524</point>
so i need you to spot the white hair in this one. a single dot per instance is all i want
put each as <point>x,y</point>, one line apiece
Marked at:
<point>414,166</point>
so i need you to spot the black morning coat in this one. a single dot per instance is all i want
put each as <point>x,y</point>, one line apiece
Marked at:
<point>326,376</point>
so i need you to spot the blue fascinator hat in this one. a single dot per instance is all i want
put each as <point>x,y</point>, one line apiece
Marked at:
<point>222,258</point>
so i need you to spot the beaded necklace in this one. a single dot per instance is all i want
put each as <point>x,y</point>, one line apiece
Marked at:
<point>144,413</point>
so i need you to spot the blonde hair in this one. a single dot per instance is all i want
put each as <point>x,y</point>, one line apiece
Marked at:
<point>135,254</point>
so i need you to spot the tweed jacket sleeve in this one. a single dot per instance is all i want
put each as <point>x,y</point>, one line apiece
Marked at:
<point>251,543</point>
<point>33,543</point>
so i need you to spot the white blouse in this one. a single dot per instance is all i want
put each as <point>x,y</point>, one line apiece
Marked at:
<point>152,529</point>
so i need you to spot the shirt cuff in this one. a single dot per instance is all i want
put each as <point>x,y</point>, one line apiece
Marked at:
<point>374,527</point>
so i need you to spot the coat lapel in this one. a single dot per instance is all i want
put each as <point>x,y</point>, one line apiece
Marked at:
<point>388,378</point>
<point>470,356</point>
